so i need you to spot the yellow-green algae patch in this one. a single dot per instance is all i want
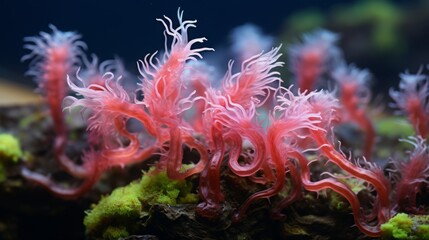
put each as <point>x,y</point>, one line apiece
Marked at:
<point>121,212</point>
<point>404,226</point>
<point>10,148</point>
<point>10,151</point>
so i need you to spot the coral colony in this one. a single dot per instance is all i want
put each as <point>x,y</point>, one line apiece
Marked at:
<point>181,109</point>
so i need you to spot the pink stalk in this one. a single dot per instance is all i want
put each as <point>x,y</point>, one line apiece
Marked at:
<point>354,96</point>
<point>414,175</point>
<point>162,82</point>
<point>91,167</point>
<point>374,177</point>
<point>210,190</point>
<point>53,57</point>
<point>284,131</point>
<point>255,80</point>
<point>411,100</point>
<point>340,188</point>
<point>310,59</point>
<point>175,155</point>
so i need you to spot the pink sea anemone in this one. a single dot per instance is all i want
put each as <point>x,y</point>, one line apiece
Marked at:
<point>412,98</point>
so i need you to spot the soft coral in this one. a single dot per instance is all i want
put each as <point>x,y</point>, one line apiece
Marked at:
<point>53,56</point>
<point>414,174</point>
<point>228,126</point>
<point>230,118</point>
<point>313,57</point>
<point>412,100</point>
<point>354,96</point>
<point>162,82</point>
<point>110,107</point>
<point>327,106</point>
<point>162,86</point>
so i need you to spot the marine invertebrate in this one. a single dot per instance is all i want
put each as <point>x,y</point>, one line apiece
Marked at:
<point>323,108</point>
<point>53,56</point>
<point>254,82</point>
<point>227,131</point>
<point>110,107</point>
<point>291,124</point>
<point>230,119</point>
<point>367,172</point>
<point>413,176</point>
<point>354,96</point>
<point>248,40</point>
<point>411,99</point>
<point>93,70</point>
<point>313,57</point>
<point>198,76</point>
<point>162,88</point>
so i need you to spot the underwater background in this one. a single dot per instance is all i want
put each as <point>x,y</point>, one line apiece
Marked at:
<point>386,37</point>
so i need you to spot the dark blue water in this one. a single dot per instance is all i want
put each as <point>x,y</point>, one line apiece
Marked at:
<point>128,28</point>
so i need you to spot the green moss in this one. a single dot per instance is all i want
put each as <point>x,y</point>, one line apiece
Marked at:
<point>122,204</point>
<point>113,233</point>
<point>338,202</point>
<point>126,206</point>
<point>160,189</point>
<point>3,174</point>
<point>304,21</point>
<point>422,231</point>
<point>404,226</point>
<point>10,152</point>
<point>393,127</point>
<point>375,11</point>
<point>383,16</point>
<point>398,227</point>
<point>356,185</point>
<point>10,149</point>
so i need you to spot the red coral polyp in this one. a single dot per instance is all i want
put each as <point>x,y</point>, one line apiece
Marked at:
<point>229,127</point>
<point>414,175</point>
<point>411,99</point>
